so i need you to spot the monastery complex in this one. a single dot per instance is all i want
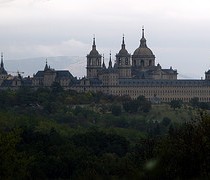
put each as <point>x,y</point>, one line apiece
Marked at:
<point>131,75</point>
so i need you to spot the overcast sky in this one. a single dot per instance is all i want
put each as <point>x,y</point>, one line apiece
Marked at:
<point>177,31</point>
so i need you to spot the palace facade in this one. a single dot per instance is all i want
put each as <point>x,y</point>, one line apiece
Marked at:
<point>131,75</point>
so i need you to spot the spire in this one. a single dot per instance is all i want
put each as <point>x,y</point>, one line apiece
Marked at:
<point>2,60</point>
<point>94,42</point>
<point>103,65</point>
<point>110,60</point>
<point>142,31</point>
<point>46,66</point>
<point>123,42</point>
<point>143,40</point>
<point>94,52</point>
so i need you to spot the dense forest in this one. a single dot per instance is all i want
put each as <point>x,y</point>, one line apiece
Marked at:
<point>57,134</point>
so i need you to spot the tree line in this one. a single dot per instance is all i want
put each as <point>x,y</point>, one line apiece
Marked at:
<point>56,134</point>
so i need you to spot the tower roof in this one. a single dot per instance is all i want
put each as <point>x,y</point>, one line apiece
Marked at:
<point>94,52</point>
<point>103,65</point>
<point>2,70</point>
<point>123,51</point>
<point>46,66</point>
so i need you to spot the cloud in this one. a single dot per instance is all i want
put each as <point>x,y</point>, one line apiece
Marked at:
<point>69,47</point>
<point>5,1</point>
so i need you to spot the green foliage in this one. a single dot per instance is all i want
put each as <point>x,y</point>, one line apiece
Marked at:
<point>166,121</point>
<point>185,153</point>
<point>116,110</point>
<point>141,104</point>
<point>176,104</point>
<point>13,163</point>
<point>56,134</point>
<point>194,102</point>
<point>98,143</point>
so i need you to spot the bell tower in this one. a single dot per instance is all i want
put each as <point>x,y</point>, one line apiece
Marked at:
<point>123,61</point>
<point>93,62</point>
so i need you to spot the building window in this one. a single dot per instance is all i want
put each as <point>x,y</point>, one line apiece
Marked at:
<point>126,61</point>
<point>150,62</point>
<point>142,63</point>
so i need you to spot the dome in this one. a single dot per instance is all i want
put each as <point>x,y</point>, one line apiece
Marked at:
<point>143,51</point>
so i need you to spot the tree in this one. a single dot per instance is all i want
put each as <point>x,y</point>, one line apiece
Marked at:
<point>116,110</point>
<point>184,153</point>
<point>131,106</point>
<point>98,143</point>
<point>13,163</point>
<point>194,102</point>
<point>166,121</point>
<point>56,88</point>
<point>204,105</point>
<point>176,104</point>
<point>141,104</point>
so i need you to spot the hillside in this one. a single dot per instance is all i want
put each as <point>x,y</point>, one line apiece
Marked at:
<point>55,134</point>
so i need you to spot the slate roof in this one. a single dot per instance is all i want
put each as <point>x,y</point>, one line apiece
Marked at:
<point>150,82</point>
<point>59,74</point>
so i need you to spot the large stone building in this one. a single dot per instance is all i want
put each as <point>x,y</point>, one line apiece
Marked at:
<point>132,75</point>
<point>48,76</point>
<point>138,74</point>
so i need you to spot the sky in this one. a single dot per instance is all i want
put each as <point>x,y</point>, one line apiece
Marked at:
<point>177,31</point>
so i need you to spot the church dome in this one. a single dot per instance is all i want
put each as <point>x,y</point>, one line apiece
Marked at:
<point>143,50</point>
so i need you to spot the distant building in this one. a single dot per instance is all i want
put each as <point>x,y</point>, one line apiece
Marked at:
<point>132,75</point>
<point>137,74</point>
<point>7,81</point>
<point>3,72</point>
<point>46,78</point>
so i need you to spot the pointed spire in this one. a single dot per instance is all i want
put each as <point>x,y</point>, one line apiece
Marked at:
<point>142,31</point>
<point>110,60</point>
<point>2,60</point>
<point>123,42</point>
<point>94,42</point>
<point>143,40</point>
<point>46,66</point>
<point>103,65</point>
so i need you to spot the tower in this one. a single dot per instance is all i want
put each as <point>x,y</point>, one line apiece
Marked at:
<point>103,65</point>
<point>2,63</point>
<point>93,62</point>
<point>123,61</point>
<point>143,56</point>
<point>2,70</point>
<point>110,60</point>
